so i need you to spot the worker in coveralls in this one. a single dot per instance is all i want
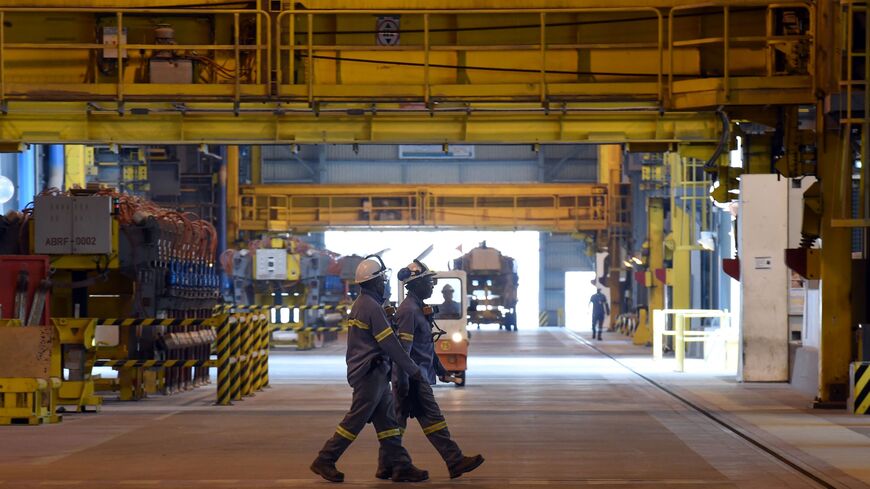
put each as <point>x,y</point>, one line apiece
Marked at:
<point>414,396</point>
<point>371,344</point>
<point>599,307</point>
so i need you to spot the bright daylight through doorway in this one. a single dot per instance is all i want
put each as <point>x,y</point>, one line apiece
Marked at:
<point>404,246</point>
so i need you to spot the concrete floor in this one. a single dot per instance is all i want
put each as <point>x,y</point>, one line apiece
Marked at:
<point>544,407</point>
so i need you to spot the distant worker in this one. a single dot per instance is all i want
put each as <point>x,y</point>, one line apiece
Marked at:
<point>414,397</point>
<point>449,309</point>
<point>371,344</point>
<point>600,309</point>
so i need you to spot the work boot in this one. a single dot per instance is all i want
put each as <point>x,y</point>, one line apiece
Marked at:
<point>467,464</point>
<point>384,473</point>
<point>409,473</point>
<point>327,470</point>
<point>599,337</point>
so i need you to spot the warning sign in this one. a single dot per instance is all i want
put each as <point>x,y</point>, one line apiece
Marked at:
<point>388,31</point>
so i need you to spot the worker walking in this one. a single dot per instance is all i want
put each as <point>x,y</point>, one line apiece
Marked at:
<point>414,396</point>
<point>371,344</point>
<point>600,309</point>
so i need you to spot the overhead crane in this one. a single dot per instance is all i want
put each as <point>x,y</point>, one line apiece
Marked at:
<point>660,75</point>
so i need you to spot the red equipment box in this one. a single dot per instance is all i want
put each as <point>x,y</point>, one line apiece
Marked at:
<point>35,268</point>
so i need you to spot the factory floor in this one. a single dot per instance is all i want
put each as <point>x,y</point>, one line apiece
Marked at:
<point>543,406</point>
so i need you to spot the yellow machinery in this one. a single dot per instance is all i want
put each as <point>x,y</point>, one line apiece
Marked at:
<point>301,208</point>
<point>74,352</point>
<point>29,394</point>
<point>304,290</point>
<point>666,75</point>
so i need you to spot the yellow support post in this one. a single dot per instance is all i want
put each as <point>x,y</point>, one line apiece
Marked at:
<point>256,164</point>
<point>656,292</point>
<point>680,275</point>
<point>836,269</point>
<point>76,159</point>
<point>610,174</point>
<point>232,184</point>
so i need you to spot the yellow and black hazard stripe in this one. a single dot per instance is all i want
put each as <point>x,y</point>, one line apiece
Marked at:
<point>151,322</point>
<point>862,388</point>
<point>155,363</point>
<point>222,347</point>
<point>315,307</point>
<point>299,327</point>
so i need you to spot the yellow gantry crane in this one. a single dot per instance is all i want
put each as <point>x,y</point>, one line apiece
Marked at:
<point>654,75</point>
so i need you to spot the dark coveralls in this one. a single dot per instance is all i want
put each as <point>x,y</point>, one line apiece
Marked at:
<point>415,333</point>
<point>371,343</point>
<point>599,303</point>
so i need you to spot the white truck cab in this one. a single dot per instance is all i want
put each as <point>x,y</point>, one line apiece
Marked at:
<point>450,297</point>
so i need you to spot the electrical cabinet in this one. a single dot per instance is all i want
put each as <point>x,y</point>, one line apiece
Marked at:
<point>72,225</point>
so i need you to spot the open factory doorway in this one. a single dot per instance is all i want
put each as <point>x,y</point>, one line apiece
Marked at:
<point>579,288</point>
<point>404,246</point>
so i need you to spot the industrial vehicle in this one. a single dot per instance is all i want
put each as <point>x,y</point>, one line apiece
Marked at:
<point>305,288</point>
<point>450,323</point>
<point>492,286</point>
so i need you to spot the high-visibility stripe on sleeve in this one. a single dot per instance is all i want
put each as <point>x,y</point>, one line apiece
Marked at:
<point>435,427</point>
<point>357,324</point>
<point>389,433</point>
<point>406,336</point>
<point>383,334</point>
<point>344,433</point>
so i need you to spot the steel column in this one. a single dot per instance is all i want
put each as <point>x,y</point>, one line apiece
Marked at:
<point>835,350</point>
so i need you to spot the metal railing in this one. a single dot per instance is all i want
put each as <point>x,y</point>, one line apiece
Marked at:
<point>540,75</point>
<point>769,42</point>
<point>236,86</point>
<point>855,121</point>
<point>561,208</point>
<point>683,334</point>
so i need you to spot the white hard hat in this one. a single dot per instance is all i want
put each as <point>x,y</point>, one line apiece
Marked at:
<point>413,271</point>
<point>370,268</point>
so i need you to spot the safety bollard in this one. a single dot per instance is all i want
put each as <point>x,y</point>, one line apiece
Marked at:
<point>267,336</point>
<point>223,359</point>
<point>249,355</point>
<point>236,360</point>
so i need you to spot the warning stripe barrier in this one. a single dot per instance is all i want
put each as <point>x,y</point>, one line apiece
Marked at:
<point>317,307</point>
<point>155,363</point>
<point>241,346</point>
<point>861,387</point>
<point>302,327</point>
<point>151,322</point>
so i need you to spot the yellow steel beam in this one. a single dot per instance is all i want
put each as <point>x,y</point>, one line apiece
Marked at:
<point>232,183</point>
<point>610,174</point>
<point>680,273</point>
<point>655,239</point>
<point>552,207</point>
<point>148,123</point>
<point>835,350</point>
